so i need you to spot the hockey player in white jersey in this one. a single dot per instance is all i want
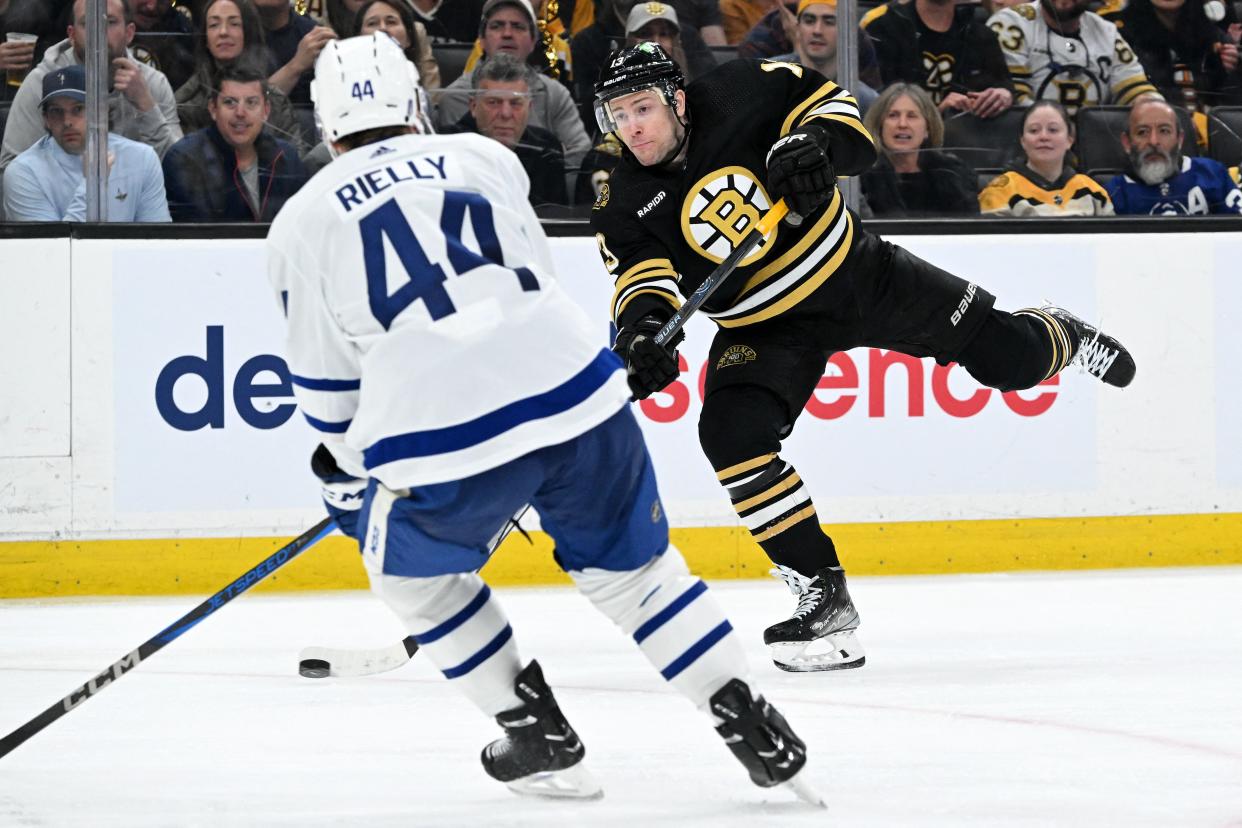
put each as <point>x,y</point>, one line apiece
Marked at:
<point>452,382</point>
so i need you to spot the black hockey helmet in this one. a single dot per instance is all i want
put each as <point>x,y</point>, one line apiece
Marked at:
<point>630,69</point>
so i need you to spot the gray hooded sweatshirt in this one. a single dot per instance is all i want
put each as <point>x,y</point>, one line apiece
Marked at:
<point>159,128</point>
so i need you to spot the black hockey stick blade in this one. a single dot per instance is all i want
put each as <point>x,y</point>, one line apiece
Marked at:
<point>717,277</point>
<point>169,634</point>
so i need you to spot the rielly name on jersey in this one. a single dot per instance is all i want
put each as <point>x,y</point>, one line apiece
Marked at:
<point>694,215</point>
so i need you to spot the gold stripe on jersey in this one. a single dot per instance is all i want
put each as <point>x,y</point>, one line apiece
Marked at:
<point>745,466</point>
<point>793,254</point>
<point>794,283</point>
<point>1129,89</point>
<point>797,517</point>
<point>649,276</point>
<point>828,103</point>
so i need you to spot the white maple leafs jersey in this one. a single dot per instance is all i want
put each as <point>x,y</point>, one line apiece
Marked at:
<point>1092,67</point>
<point>427,338</point>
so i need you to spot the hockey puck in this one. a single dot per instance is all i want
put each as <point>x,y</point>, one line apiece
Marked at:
<point>314,668</point>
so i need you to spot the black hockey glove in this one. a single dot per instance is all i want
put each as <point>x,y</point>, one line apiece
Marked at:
<point>800,171</point>
<point>648,366</point>
<point>342,492</point>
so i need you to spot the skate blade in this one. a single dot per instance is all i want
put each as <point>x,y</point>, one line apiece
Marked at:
<point>570,783</point>
<point>802,789</point>
<point>838,651</point>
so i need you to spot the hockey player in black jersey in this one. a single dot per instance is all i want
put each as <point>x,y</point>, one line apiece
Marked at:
<point>701,165</point>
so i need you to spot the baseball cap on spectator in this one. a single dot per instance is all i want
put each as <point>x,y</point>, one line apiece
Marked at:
<point>802,4</point>
<point>491,5</point>
<point>67,82</point>
<point>644,12</point>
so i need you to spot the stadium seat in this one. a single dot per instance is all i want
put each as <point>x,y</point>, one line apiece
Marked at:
<point>1099,142</point>
<point>983,143</point>
<point>452,60</point>
<point>984,176</point>
<point>1225,134</point>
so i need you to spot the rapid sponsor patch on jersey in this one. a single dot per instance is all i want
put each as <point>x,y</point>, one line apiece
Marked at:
<point>720,209</point>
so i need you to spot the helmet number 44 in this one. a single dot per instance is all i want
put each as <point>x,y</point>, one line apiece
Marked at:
<point>362,90</point>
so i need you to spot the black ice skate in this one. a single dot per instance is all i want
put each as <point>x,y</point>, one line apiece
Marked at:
<point>762,740</point>
<point>540,754</point>
<point>820,633</point>
<point>1099,354</point>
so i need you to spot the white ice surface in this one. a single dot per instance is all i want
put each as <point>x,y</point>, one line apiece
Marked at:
<point>1062,699</point>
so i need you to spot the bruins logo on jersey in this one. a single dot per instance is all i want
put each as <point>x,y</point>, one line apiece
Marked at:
<point>736,355</point>
<point>720,209</point>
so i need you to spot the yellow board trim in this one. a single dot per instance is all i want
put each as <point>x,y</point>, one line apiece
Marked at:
<point>202,566</point>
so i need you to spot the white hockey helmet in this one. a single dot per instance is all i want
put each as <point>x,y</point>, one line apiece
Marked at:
<point>364,83</point>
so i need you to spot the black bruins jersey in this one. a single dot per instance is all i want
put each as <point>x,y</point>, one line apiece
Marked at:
<point>662,231</point>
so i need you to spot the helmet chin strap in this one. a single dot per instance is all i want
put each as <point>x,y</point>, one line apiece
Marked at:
<point>685,136</point>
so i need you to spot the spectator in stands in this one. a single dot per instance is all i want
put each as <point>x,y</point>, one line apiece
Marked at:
<point>293,42</point>
<point>450,21</point>
<point>47,182</point>
<point>233,170</point>
<point>550,52</point>
<point>164,39</point>
<point>738,17</point>
<point>773,35</point>
<point>622,22</point>
<point>1043,183</point>
<point>500,109</point>
<point>395,18</point>
<point>141,106</point>
<point>1160,181</point>
<point>940,46</point>
<point>230,34</point>
<point>508,27</point>
<point>1057,50</point>
<point>815,45</point>
<point>911,178</point>
<point>32,17</point>
<point>1191,61</point>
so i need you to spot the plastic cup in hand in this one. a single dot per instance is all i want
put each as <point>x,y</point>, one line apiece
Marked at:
<point>16,76</point>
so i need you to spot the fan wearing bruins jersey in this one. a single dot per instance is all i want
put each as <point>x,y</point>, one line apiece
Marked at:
<point>1042,184</point>
<point>700,165</point>
<point>1057,50</point>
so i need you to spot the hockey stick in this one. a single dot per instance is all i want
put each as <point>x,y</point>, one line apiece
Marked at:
<point>169,634</point>
<point>324,662</point>
<point>717,277</point>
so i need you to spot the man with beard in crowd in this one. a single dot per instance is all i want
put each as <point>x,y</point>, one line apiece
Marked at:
<point>1161,181</point>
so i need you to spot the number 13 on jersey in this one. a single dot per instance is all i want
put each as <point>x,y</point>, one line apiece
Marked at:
<point>425,277</point>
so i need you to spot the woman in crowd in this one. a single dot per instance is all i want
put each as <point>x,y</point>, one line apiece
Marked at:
<point>231,34</point>
<point>911,178</point>
<point>1043,183</point>
<point>1192,62</point>
<point>395,18</point>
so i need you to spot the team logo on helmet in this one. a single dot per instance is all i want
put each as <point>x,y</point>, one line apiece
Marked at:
<point>720,209</point>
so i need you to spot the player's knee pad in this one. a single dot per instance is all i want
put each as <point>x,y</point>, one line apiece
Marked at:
<point>462,628</point>
<point>1010,352</point>
<point>674,619</point>
<point>740,422</point>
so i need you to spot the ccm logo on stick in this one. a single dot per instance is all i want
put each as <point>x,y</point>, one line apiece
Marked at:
<point>245,389</point>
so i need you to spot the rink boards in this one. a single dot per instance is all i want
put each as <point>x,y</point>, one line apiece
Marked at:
<point>149,442</point>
